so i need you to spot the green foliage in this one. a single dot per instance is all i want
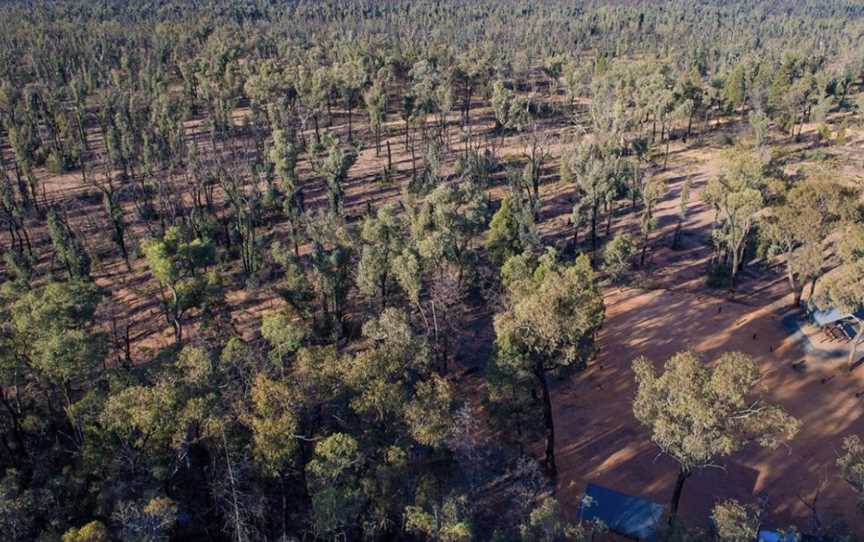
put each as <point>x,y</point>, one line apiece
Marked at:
<point>512,229</point>
<point>206,118</point>
<point>333,166</point>
<point>147,520</point>
<point>283,154</point>
<point>850,461</point>
<point>552,314</point>
<point>618,256</point>
<point>382,237</point>
<point>177,265</point>
<point>844,288</point>
<point>273,422</point>
<point>392,380</point>
<point>94,531</point>
<point>737,196</point>
<point>284,333</point>
<point>552,317</point>
<point>759,125</point>
<point>333,475</point>
<point>447,522</point>
<point>332,250</point>
<point>68,248</point>
<point>716,399</point>
<point>546,524</point>
<point>53,326</point>
<point>698,414</point>
<point>735,522</point>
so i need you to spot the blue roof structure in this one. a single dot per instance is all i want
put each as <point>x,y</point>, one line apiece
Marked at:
<point>774,536</point>
<point>624,514</point>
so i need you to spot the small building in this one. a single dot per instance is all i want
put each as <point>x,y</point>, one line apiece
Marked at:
<point>845,325</point>
<point>633,517</point>
<point>775,536</point>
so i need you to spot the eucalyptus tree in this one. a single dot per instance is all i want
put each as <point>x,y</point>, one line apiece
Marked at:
<point>735,522</point>
<point>690,95</point>
<point>734,91</point>
<point>651,196</point>
<point>850,462</point>
<point>473,68</point>
<point>501,101</point>
<point>800,225</point>
<point>284,155</point>
<point>14,210</point>
<point>512,229</point>
<point>21,141</point>
<point>351,78</point>
<point>552,312</point>
<point>332,250</point>
<point>68,248</point>
<point>759,124</point>
<point>244,217</point>
<point>683,204</point>
<point>375,98</point>
<point>698,414</point>
<point>736,196</point>
<point>593,170</point>
<point>266,85</point>
<point>179,266</point>
<point>438,258</point>
<point>332,162</point>
<point>51,342</point>
<point>383,237</point>
<point>618,256</point>
<point>313,86</point>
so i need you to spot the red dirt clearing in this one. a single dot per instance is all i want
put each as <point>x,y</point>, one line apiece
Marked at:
<point>599,440</point>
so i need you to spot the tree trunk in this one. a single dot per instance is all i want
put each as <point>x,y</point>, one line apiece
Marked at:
<point>689,124</point>
<point>377,140</point>
<point>853,346</point>
<point>609,211</point>
<point>676,237</point>
<point>238,524</point>
<point>550,424</point>
<point>736,263</point>
<point>793,284</point>
<point>676,495</point>
<point>389,159</point>
<point>666,158</point>
<point>644,251</point>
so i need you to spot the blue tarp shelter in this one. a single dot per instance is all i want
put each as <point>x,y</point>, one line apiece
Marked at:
<point>624,514</point>
<point>774,536</point>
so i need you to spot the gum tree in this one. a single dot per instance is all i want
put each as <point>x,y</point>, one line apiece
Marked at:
<point>697,414</point>
<point>551,316</point>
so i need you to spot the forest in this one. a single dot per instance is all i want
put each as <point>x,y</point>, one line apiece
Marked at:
<point>422,269</point>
